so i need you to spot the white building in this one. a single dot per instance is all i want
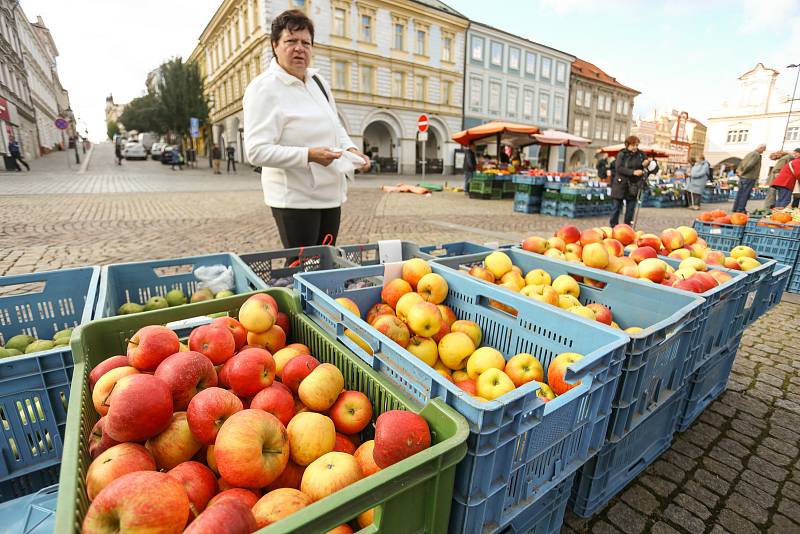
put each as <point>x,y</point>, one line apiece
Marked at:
<point>757,113</point>
<point>17,117</point>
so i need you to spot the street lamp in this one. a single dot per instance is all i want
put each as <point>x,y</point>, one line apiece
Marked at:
<point>210,125</point>
<point>791,101</point>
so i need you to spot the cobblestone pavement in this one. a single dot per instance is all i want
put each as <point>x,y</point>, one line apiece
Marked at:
<point>735,470</point>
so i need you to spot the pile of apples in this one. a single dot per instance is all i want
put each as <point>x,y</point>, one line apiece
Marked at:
<point>538,284</point>
<point>606,248</point>
<point>722,217</point>
<point>231,433</point>
<point>412,314</point>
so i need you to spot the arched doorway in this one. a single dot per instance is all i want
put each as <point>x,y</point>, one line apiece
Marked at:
<point>730,164</point>
<point>434,164</point>
<point>381,145</point>
<point>577,160</point>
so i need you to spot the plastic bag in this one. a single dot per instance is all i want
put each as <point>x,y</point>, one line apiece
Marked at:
<point>347,163</point>
<point>215,277</point>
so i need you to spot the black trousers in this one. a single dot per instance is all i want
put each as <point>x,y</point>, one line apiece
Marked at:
<point>231,162</point>
<point>630,210</point>
<point>306,228</point>
<point>17,160</point>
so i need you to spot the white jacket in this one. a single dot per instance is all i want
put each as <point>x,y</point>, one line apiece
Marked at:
<point>283,118</point>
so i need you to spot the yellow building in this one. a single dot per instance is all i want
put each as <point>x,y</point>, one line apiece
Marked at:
<point>387,62</point>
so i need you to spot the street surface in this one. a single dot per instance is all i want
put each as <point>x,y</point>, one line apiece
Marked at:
<point>735,470</point>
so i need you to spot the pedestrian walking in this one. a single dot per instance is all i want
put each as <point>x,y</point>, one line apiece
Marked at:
<point>231,153</point>
<point>13,148</point>
<point>747,171</point>
<point>292,130</point>
<point>782,159</point>
<point>470,166</point>
<point>118,152</point>
<point>603,168</point>
<point>176,159</point>
<point>628,172</point>
<point>216,158</point>
<point>784,183</point>
<point>699,174</point>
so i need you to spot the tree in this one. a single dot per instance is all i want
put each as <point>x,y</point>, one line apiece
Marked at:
<point>112,128</point>
<point>143,114</point>
<point>180,92</point>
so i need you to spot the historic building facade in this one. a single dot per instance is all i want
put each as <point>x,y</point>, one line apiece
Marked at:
<point>17,116</point>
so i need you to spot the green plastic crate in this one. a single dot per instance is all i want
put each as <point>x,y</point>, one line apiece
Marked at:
<point>411,496</point>
<point>486,188</point>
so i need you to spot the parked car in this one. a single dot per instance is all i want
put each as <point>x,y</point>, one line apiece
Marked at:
<point>156,150</point>
<point>166,156</point>
<point>134,150</point>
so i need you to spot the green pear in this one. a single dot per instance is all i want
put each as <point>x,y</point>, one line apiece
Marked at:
<point>176,297</point>
<point>156,303</point>
<point>129,308</point>
<point>67,332</point>
<point>13,352</point>
<point>61,341</point>
<point>38,346</point>
<point>225,293</point>
<point>19,342</point>
<point>5,353</point>
<point>202,294</point>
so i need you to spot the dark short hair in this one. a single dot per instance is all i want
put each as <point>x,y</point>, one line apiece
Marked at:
<point>292,20</point>
<point>631,140</point>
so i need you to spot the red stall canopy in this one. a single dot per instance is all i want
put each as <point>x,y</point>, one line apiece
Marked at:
<point>508,133</point>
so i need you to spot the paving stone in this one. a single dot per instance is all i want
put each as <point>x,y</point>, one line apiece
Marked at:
<point>601,527</point>
<point>713,481</point>
<point>733,447</point>
<point>745,428</point>
<point>726,458</point>
<point>747,508</point>
<point>666,470</point>
<point>784,445</point>
<point>782,524</point>
<point>683,462</point>
<point>790,509</point>
<point>758,496</point>
<point>791,490</point>
<point>720,469</point>
<point>761,482</point>
<point>773,457</point>
<point>701,493</point>
<point>663,528</point>
<point>626,518</point>
<point>702,434</point>
<point>681,516</point>
<point>684,447</point>
<point>735,523</point>
<point>641,499</point>
<point>712,418</point>
<point>767,469</point>
<point>693,505</point>
<point>658,485</point>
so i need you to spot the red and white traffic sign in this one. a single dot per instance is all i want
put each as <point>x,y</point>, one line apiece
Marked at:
<point>422,123</point>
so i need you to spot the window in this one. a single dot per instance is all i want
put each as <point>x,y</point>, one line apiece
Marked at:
<point>558,109</point>
<point>618,105</point>
<point>398,84</point>
<point>366,28</point>
<point>421,43</point>
<point>576,128</point>
<point>625,106</point>
<point>598,129</point>
<point>607,103</point>
<point>339,22</point>
<point>530,63</point>
<point>475,96</point>
<point>579,97</point>
<point>420,88</point>
<point>585,128</point>
<point>601,98</point>
<point>447,92</point>
<point>399,36</point>
<point>511,101</point>
<point>605,129</point>
<point>477,48</point>
<point>367,78</point>
<point>561,72</point>
<point>258,65</point>
<point>447,48</point>
<point>340,75</point>
<point>497,54</point>
<point>587,99</point>
<point>738,135</point>
<point>494,97</point>
<point>793,133</point>
<point>547,65</point>
<point>544,106</point>
<point>527,104</point>
<point>513,58</point>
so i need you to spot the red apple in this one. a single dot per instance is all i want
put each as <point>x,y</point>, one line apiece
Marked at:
<point>175,445</point>
<point>274,339</point>
<point>140,408</point>
<point>558,368</point>
<point>343,444</point>
<point>278,504</point>
<point>290,477</point>
<point>393,328</point>
<point>642,253</point>
<point>707,281</point>
<point>150,346</point>
<point>297,369</point>
<point>398,435</point>
<point>569,233</point>
<point>277,400</point>
<point>186,373</point>
<point>468,385</point>
<point>117,461</point>
<point>248,497</point>
<point>378,309</point>
<point>198,481</point>
<point>213,341</point>
<point>99,440</point>
<point>251,371</point>
<point>252,449</point>
<point>689,284</point>
<point>208,410</point>
<point>601,313</point>
<point>592,235</point>
<point>105,366</point>
<point>282,320</point>
<point>366,460</point>
<point>351,412</point>
<point>535,244</point>
<point>271,302</point>
<point>226,517</point>
<point>239,332</point>
<point>650,240</point>
<point>143,501</point>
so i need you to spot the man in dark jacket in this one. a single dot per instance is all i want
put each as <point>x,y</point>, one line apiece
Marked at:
<point>602,168</point>
<point>748,172</point>
<point>231,154</point>
<point>782,159</point>
<point>628,172</point>
<point>13,148</point>
<point>470,165</point>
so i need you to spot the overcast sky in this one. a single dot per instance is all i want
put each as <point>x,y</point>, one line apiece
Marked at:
<point>683,54</point>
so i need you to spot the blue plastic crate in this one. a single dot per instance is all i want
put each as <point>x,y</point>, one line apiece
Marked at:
<point>777,285</point>
<point>370,253</point>
<point>617,464</point>
<point>525,206</point>
<point>34,394</point>
<point>32,514</point>
<point>783,250</point>
<point>794,282</point>
<point>457,248</point>
<point>528,198</point>
<point>41,304</point>
<point>708,383</point>
<point>549,207</point>
<point>545,516</point>
<point>656,359</point>
<point>758,290</point>
<point>721,242</point>
<point>519,447</point>
<point>138,281</point>
<point>276,267</point>
<point>528,180</point>
<point>773,229</point>
<point>716,229</point>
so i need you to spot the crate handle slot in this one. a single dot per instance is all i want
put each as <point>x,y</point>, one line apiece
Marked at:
<point>173,270</point>
<point>192,322</point>
<point>487,302</point>
<point>602,280</point>
<point>34,287</point>
<point>362,335</point>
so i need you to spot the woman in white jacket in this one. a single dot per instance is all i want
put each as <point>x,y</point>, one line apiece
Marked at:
<point>292,130</point>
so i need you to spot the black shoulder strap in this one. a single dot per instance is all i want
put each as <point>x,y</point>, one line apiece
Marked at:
<point>321,87</point>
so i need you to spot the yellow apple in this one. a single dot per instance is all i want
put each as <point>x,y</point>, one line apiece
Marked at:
<point>493,383</point>
<point>747,263</point>
<point>538,277</point>
<point>482,359</point>
<point>311,435</point>
<point>424,319</point>
<point>470,328</point>
<point>498,263</point>
<point>541,293</point>
<point>414,269</point>
<point>742,251</point>
<point>460,375</point>
<point>349,305</point>
<point>567,301</point>
<point>443,370</point>
<point>424,348</point>
<point>454,349</point>
<point>583,311</point>
<point>433,288</point>
<point>513,277</point>
<point>695,263</point>
<point>633,329</point>
<point>555,254</point>
<point>405,303</point>
<point>566,285</point>
<point>523,368</point>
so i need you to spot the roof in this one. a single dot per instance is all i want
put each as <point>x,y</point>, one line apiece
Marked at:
<point>494,28</point>
<point>441,6</point>
<point>593,72</point>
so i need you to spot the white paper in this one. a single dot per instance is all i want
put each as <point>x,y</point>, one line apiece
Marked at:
<point>391,271</point>
<point>390,250</point>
